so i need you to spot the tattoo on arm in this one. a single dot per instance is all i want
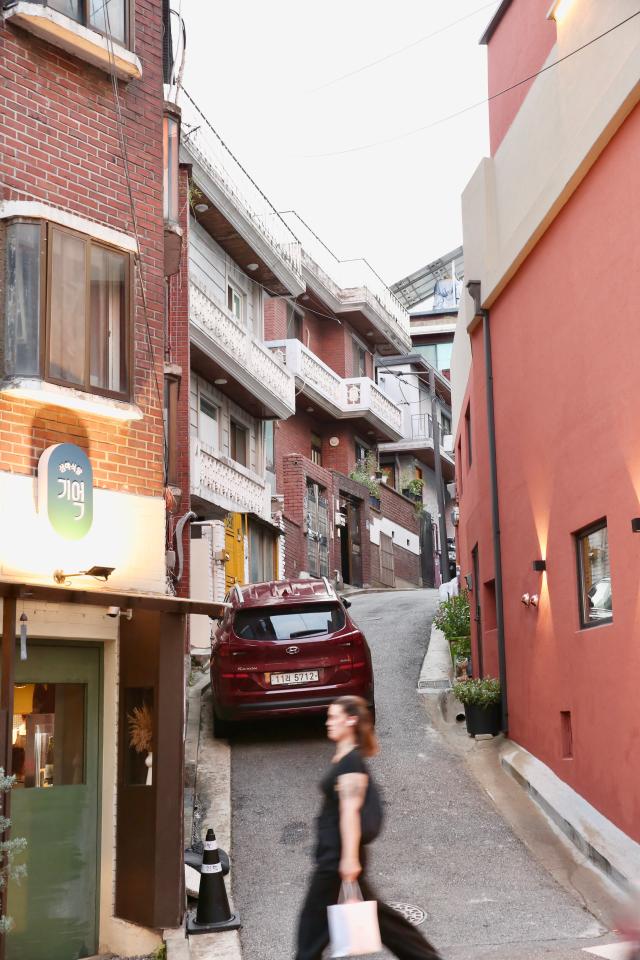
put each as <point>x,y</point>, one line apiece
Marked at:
<point>353,786</point>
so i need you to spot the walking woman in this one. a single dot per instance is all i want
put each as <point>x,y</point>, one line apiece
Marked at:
<point>340,853</point>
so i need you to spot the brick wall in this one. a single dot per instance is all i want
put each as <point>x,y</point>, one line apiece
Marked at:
<point>59,144</point>
<point>179,352</point>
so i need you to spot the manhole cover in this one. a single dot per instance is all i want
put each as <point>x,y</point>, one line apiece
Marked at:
<point>413,914</point>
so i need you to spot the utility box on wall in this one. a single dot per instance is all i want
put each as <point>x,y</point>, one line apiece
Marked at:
<point>207,580</point>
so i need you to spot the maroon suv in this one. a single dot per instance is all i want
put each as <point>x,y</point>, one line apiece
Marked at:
<point>285,648</point>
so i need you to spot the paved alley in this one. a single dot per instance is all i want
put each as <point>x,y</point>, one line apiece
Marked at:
<point>445,849</point>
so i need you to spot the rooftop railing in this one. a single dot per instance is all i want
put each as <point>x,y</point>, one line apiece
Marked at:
<point>200,139</point>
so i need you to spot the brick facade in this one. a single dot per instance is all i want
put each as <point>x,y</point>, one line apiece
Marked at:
<point>59,144</point>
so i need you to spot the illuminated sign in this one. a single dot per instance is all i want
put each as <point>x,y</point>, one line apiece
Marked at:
<point>65,490</point>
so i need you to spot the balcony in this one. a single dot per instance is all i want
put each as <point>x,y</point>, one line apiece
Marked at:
<point>233,210</point>
<point>223,349</point>
<point>420,445</point>
<point>353,289</point>
<point>356,398</point>
<point>229,487</point>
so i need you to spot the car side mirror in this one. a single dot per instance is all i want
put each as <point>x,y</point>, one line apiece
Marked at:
<point>347,603</point>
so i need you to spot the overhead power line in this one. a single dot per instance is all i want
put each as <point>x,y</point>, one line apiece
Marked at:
<point>408,46</point>
<point>472,106</point>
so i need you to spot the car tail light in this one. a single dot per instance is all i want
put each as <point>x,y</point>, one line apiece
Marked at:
<point>234,676</point>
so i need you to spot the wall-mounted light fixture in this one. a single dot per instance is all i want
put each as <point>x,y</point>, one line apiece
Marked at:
<point>635,524</point>
<point>534,600</point>
<point>559,9</point>
<point>98,573</point>
<point>539,565</point>
<point>526,599</point>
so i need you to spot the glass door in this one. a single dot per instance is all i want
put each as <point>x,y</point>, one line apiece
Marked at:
<point>55,803</point>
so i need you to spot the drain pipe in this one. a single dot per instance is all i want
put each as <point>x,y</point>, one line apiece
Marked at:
<point>481,314</point>
<point>189,515</point>
<point>495,515</point>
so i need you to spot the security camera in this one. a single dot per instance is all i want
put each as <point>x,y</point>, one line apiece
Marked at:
<point>113,612</point>
<point>117,612</point>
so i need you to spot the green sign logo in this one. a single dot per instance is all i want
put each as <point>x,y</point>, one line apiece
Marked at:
<point>65,490</point>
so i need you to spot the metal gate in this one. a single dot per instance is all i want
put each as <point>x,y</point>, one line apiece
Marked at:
<point>316,509</point>
<point>387,568</point>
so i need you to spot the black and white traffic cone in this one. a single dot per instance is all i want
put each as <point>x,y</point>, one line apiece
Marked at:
<point>213,913</point>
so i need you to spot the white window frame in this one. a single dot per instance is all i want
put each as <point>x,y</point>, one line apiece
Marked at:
<point>202,395</point>
<point>236,291</point>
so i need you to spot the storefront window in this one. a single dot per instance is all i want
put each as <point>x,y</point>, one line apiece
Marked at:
<point>48,737</point>
<point>139,720</point>
<point>594,576</point>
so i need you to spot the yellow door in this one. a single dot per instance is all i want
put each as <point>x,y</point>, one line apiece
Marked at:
<point>234,545</point>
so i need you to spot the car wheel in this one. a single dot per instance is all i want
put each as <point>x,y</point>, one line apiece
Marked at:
<point>221,728</point>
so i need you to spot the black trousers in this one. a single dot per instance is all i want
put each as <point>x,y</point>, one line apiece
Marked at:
<point>397,934</point>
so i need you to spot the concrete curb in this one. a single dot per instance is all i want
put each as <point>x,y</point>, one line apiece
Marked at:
<point>436,672</point>
<point>604,844</point>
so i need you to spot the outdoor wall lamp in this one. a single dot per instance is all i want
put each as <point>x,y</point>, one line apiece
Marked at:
<point>635,524</point>
<point>98,573</point>
<point>558,10</point>
<point>534,599</point>
<point>539,565</point>
<point>526,599</point>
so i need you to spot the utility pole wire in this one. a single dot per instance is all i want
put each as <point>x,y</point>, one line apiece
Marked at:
<point>396,53</point>
<point>472,106</point>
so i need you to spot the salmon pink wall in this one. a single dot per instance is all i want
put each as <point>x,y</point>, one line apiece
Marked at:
<point>566,357</point>
<point>517,49</point>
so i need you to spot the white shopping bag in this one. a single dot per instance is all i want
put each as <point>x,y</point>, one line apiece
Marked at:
<point>353,924</point>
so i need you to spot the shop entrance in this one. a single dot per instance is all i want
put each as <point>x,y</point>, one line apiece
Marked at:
<point>55,802</point>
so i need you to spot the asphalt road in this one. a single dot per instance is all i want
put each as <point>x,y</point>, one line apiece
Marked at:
<point>444,849</point>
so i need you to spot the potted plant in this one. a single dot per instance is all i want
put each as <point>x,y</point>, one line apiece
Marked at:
<point>365,473</point>
<point>461,656</point>
<point>454,617</point>
<point>411,487</point>
<point>481,698</point>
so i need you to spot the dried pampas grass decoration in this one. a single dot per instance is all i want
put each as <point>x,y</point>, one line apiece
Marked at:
<point>140,722</point>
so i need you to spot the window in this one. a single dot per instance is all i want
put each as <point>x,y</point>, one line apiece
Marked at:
<point>294,324</point>
<point>359,360</point>
<point>445,425</point>
<point>389,471</point>
<point>467,423</point>
<point>418,472</point>
<point>67,309</point>
<point>238,442</point>
<point>594,575</point>
<point>235,302</point>
<point>171,144</point>
<point>290,623</point>
<point>110,17</point>
<point>208,425</point>
<point>48,738</point>
<point>316,449</point>
<point>269,446</point>
<point>361,451</point>
<point>437,354</point>
<point>566,735</point>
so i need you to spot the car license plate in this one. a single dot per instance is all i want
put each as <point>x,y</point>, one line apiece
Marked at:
<point>288,679</point>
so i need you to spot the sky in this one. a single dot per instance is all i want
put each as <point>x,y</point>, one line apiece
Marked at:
<point>269,76</point>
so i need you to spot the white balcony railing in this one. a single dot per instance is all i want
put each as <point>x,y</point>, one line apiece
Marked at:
<point>200,139</point>
<point>228,485</point>
<point>355,396</point>
<point>258,366</point>
<point>350,281</point>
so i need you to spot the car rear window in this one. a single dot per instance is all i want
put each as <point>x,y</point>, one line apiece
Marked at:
<point>289,623</point>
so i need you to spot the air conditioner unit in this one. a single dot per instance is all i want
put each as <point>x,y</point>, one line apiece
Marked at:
<point>455,516</point>
<point>448,443</point>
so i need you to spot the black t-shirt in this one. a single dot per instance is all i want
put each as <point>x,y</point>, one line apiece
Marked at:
<point>329,843</point>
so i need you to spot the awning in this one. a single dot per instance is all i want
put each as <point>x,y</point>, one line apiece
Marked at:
<point>164,603</point>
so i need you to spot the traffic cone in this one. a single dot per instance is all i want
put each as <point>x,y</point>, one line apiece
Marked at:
<point>213,913</point>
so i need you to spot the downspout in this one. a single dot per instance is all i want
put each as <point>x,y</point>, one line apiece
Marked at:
<point>495,515</point>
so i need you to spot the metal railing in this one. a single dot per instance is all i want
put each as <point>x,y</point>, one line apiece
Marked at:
<point>421,426</point>
<point>199,138</point>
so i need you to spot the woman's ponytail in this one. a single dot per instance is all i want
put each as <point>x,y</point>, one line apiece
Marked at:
<point>365,734</point>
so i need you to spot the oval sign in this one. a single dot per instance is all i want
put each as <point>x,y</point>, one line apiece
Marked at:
<point>65,490</point>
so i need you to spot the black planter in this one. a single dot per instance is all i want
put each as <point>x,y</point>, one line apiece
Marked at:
<point>482,719</point>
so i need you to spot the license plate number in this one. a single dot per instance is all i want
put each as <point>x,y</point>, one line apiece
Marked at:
<point>289,679</point>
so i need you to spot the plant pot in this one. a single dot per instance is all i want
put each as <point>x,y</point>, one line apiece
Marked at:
<point>482,719</point>
<point>416,497</point>
<point>374,501</point>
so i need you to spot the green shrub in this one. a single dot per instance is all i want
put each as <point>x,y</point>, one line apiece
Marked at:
<point>365,472</point>
<point>460,648</point>
<point>482,692</point>
<point>454,617</point>
<point>8,849</point>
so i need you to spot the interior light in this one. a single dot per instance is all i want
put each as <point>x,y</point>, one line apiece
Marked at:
<point>201,207</point>
<point>559,10</point>
<point>252,266</point>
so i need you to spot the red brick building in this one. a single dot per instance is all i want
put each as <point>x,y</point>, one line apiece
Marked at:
<point>95,692</point>
<point>546,401</point>
<point>340,522</point>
